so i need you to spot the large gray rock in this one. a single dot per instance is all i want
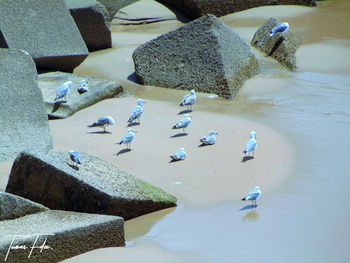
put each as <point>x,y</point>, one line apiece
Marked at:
<point>205,55</point>
<point>198,8</point>
<point>93,187</point>
<point>45,29</point>
<point>93,22</point>
<point>113,6</point>
<point>281,48</point>
<point>67,234</point>
<point>13,206</point>
<point>23,118</point>
<point>99,89</point>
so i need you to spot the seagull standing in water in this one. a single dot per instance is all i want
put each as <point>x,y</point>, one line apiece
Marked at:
<point>183,123</point>
<point>251,144</point>
<point>82,88</point>
<point>253,195</point>
<point>210,139</point>
<point>128,138</point>
<point>103,122</point>
<point>63,91</point>
<point>189,100</point>
<point>179,155</point>
<point>75,156</point>
<point>281,28</point>
<point>137,111</point>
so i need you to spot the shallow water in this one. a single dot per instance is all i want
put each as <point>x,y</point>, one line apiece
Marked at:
<point>305,218</point>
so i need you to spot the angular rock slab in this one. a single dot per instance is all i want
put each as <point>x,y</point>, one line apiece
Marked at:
<point>278,48</point>
<point>198,8</point>
<point>93,187</point>
<point>92,20</point>
<point>113,6</point>
<point>99,89</point>
<point>205,55</point>
<point>142,12</point>
<point>44,29</point>
<point>67,234</point>
<point>13,206</point>
<point>23,118</point>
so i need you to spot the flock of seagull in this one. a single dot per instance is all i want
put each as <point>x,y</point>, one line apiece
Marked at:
<point>135,115</point>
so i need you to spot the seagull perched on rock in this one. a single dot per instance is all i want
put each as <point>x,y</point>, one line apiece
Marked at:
<point>63,91</point>
<point>253,195</point>
<point>82,88</point>
<point>189,100</point>
<point>210,139</point>
<point>281,28</point>
<point>75,156</point>
<point>251,144</point>
<point>128,138</point>
<point>183,123</point>
<point>103,122</point>
<point>137,111</point>
<point>179,155</point>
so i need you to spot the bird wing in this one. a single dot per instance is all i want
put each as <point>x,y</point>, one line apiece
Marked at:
<point>136,112</point>
<point>252,195</point>
<point>250,145</point>
<point>76,157</point>
<point>102,121</point>
<point>128,137</point>
<point>189,99</point>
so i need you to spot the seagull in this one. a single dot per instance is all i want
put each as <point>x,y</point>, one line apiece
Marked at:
<point>103,122</point>
<point>189,99</point>
<point>183,123</point>
<point>179,155</point>
<point>137,111</point>
<point>75,156</point>
<point>251,144</point>
<point>82,88</point>
<point>128,138</point>
<point>63,91</point>
<point>210,139</point>
<point>281,28</point>
<point>253,195</point>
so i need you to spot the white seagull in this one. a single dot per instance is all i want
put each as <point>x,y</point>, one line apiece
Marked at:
<point>281,28</point>
<point>103,122</point>
<point>210,139</point>
<point>137,111</point>
<point>183,123</point>
<point>128,138</point>
<point>253,195</point>
<point>82,88</point>
<point>189,99</point>
<point>179,155</point>
<point>75,156</point>
<point>251,144</point>
<point>63,91</point>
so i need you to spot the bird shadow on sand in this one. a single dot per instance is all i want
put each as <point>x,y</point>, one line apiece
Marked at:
<point>99,132</point>
<point>131,124</point>
<point>184,112</point>
<point>123,151</point>
<point>248,207</point>
<point>247,158</point>
<point>174,161</point>
<point>179,135</point>
<point>57,105</point>
<point>73,166</point>
<point>204,145</point>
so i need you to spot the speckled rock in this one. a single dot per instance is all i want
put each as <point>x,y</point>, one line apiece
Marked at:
<point>99,89</point>
<point>93,22</point>
<point>13,206</point>
<point>45,29</point>
<point>281,48</point>
<point>62,234</point>
<point>23,119</point>
<point>93,187</point>
<point>198,8</point>
<point>205,55</point>
<point>113,6</point>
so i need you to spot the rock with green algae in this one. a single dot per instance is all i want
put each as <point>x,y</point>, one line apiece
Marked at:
<point>95,186</point>
<point>62,234</point>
